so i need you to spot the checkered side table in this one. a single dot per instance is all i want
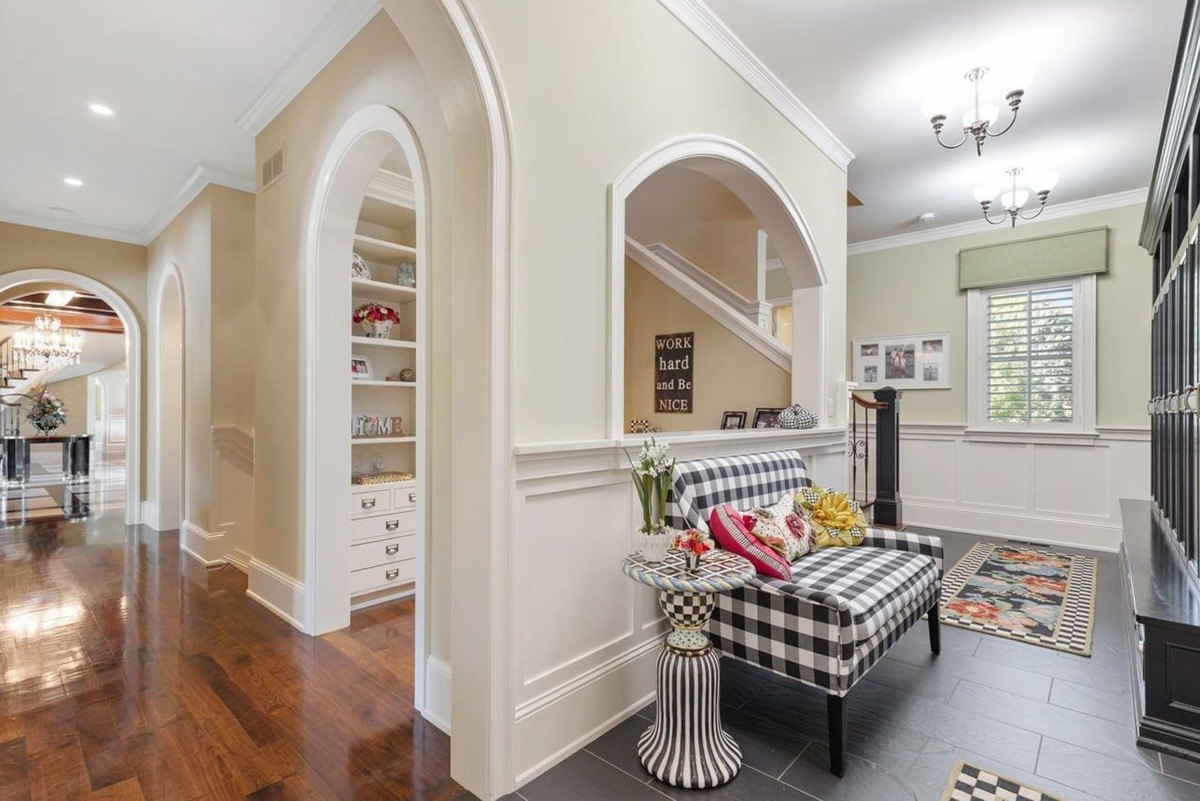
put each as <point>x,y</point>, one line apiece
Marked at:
<point>686,746</point>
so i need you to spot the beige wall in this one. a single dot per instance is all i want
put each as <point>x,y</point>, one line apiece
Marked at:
<point>729,374</point>
<point>233,308</point>
<point>699,218</point>
<point>74,394</point>
<point>914,289</point>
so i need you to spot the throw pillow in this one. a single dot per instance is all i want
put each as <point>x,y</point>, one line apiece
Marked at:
<point>731,529</point>
<point>782,529</point>
<point>836,519</point>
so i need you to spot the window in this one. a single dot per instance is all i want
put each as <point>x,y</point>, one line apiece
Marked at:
<point>1032,355</point>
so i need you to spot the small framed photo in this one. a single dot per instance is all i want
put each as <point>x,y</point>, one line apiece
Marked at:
<point>733,420</point>
<point>767,417</point>
<point>360,368</point>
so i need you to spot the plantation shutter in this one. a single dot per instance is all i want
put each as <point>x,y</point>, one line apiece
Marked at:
<point>1030,355</point>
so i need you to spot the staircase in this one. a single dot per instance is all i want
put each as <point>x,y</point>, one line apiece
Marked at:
<point>742,317</point>
<point>14,378</point>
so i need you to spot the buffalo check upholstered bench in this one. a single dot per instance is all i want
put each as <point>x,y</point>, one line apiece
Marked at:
<point>841,609</point>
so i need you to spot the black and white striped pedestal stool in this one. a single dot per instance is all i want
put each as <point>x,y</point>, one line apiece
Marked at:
<point>686,746</point>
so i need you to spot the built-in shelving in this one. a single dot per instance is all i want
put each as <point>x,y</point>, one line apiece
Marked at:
<point>385,518</point>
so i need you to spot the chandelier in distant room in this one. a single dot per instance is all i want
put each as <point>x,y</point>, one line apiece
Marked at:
<point>1013,201</point>
<point>46,345</point>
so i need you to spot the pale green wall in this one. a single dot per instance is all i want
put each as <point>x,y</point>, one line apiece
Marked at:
<point>914,289</point>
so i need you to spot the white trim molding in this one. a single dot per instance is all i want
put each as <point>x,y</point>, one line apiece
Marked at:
<point>437,694</point>
<point>393,188</point>
<point>204,546</point>
<point>277,591</point>
<point>335,30</point>
<point>1117,200</point>
<point>201,176</point>
<point>71,227</point>
<point>708,28</point>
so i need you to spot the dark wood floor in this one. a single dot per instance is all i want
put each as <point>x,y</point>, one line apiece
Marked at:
<point>126,674</point>
<point>1062,723</point>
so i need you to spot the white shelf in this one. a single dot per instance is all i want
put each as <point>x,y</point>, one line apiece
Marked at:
<point>361,286</point>
<point>383,343</point>
<point>381,440</point>
<point>379,250</point>
<point>371,382</point>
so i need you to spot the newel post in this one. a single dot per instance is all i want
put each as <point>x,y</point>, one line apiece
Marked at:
<point>887,508</point>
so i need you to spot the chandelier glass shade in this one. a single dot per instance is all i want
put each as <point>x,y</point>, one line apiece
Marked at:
<point>1013,201</point>
<point>46,345</point>
<point>978,118</point>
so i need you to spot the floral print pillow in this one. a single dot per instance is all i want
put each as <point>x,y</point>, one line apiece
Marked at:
<point>836,519</point>
<point>779,527</point>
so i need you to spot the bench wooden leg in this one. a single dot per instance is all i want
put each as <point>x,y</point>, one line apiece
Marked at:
<point>935,629</point>
<point>835,707</point>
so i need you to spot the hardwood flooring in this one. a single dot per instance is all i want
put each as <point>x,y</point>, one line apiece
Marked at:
<point>126,673</point>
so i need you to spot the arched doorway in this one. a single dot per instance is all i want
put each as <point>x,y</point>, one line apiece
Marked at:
<point>133,362</point>
<point>166,494</point>
<point>746,177</point>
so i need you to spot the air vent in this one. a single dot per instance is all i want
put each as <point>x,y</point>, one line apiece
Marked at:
<point>272,169</point>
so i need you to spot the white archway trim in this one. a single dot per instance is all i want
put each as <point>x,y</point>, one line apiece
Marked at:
<point>353,157</point>
<point>152,506</point>
<point>133,363</point>
<point>748,177</point>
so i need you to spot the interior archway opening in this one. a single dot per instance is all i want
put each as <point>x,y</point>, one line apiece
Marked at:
<point>171,399</point>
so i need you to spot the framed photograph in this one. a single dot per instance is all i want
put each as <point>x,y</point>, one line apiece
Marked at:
<point>360,368</point>
<point>733,420</point>
<point>767,417</point>
<point>915,361</point>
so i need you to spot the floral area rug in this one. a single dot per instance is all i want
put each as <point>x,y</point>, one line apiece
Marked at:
<point>1025,594</point>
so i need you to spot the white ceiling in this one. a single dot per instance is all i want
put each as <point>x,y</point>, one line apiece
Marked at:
<point>1093,112</point>
<point>178,73</point>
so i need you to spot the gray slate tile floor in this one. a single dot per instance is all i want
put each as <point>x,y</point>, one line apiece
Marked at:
<point>1060,722</point>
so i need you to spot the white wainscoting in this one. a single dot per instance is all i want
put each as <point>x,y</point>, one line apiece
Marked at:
<point>587,637</point>
<point>232,466</point>
<point>1059,489</point>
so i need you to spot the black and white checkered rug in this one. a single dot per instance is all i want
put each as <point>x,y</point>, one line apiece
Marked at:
<point>969,783</point>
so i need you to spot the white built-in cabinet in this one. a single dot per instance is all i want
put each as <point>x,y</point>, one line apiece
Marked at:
<point>386,520</point>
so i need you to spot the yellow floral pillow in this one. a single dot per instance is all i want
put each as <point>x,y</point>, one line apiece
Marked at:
<point>836,519</point>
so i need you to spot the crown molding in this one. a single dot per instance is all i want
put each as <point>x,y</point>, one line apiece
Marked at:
<point>327,38</point>
<point>1133,197</point>
<point>70,227</point>
<point>201,176</point>
<point>392,187</point>
<point>709,29</point>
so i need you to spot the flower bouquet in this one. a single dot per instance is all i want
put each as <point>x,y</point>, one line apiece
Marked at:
<point>46,411</point>
<point>376,319</point>
<point>694,544</point>
<point>651,475</point>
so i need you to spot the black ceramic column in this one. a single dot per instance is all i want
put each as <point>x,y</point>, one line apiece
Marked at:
<point>887,509</point>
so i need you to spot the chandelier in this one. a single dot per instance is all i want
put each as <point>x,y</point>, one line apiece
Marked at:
<point>46,345</point>
<point>978,118</point>
<point>1013,201</point>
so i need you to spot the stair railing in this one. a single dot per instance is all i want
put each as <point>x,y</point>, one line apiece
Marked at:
<point>881,415</point>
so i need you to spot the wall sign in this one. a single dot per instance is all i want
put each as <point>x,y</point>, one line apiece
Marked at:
<point>673,373</point>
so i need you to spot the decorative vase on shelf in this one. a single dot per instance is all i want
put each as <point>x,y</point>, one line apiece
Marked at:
<point>656,544</point>
<point>376,319</point>
<point>359,268</point>
<point>377,329</point>
<point>406,275</point>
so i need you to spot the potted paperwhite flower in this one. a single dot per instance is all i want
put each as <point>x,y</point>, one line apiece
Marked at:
<point>652,475</point>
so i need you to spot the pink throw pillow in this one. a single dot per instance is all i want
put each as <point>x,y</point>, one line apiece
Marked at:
<point>732,531</point>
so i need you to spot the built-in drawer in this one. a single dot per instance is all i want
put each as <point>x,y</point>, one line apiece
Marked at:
<point>370,579</point>
<point>404,498</point>
<point>383,552</point>
<point>370,503</point>
<point>389,524</point>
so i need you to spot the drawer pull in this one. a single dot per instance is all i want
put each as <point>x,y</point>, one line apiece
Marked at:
<point>368,503</point>
<point>391,574</point>
<point>392,525</point>
<point>392,549</point>
<point>412,497</point>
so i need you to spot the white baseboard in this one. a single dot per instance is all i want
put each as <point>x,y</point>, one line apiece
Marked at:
<point>540,733</point>
<point>1072,533</point>
<point>203,546</point>
<point>239,559</point>
<point>437,694</point>
<point>148,515</point>
<point>278,592</point>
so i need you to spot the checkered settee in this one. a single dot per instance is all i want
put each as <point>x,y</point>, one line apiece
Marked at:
<point>841,609</point>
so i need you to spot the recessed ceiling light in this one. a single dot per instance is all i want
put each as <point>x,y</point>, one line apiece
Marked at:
<point>100,110</point>
<point>59,297</point>
<point>927,216</point>
<point>61,210</point>
<point>69,181</point>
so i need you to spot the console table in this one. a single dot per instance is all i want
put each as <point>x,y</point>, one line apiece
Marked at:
<point>76,457</point>
<point>686,746</point>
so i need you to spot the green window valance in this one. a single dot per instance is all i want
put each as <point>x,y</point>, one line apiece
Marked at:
<point>1038,259</point>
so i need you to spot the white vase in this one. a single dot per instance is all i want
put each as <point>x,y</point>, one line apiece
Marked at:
<point>377,329</point>
<point>656,545</point>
